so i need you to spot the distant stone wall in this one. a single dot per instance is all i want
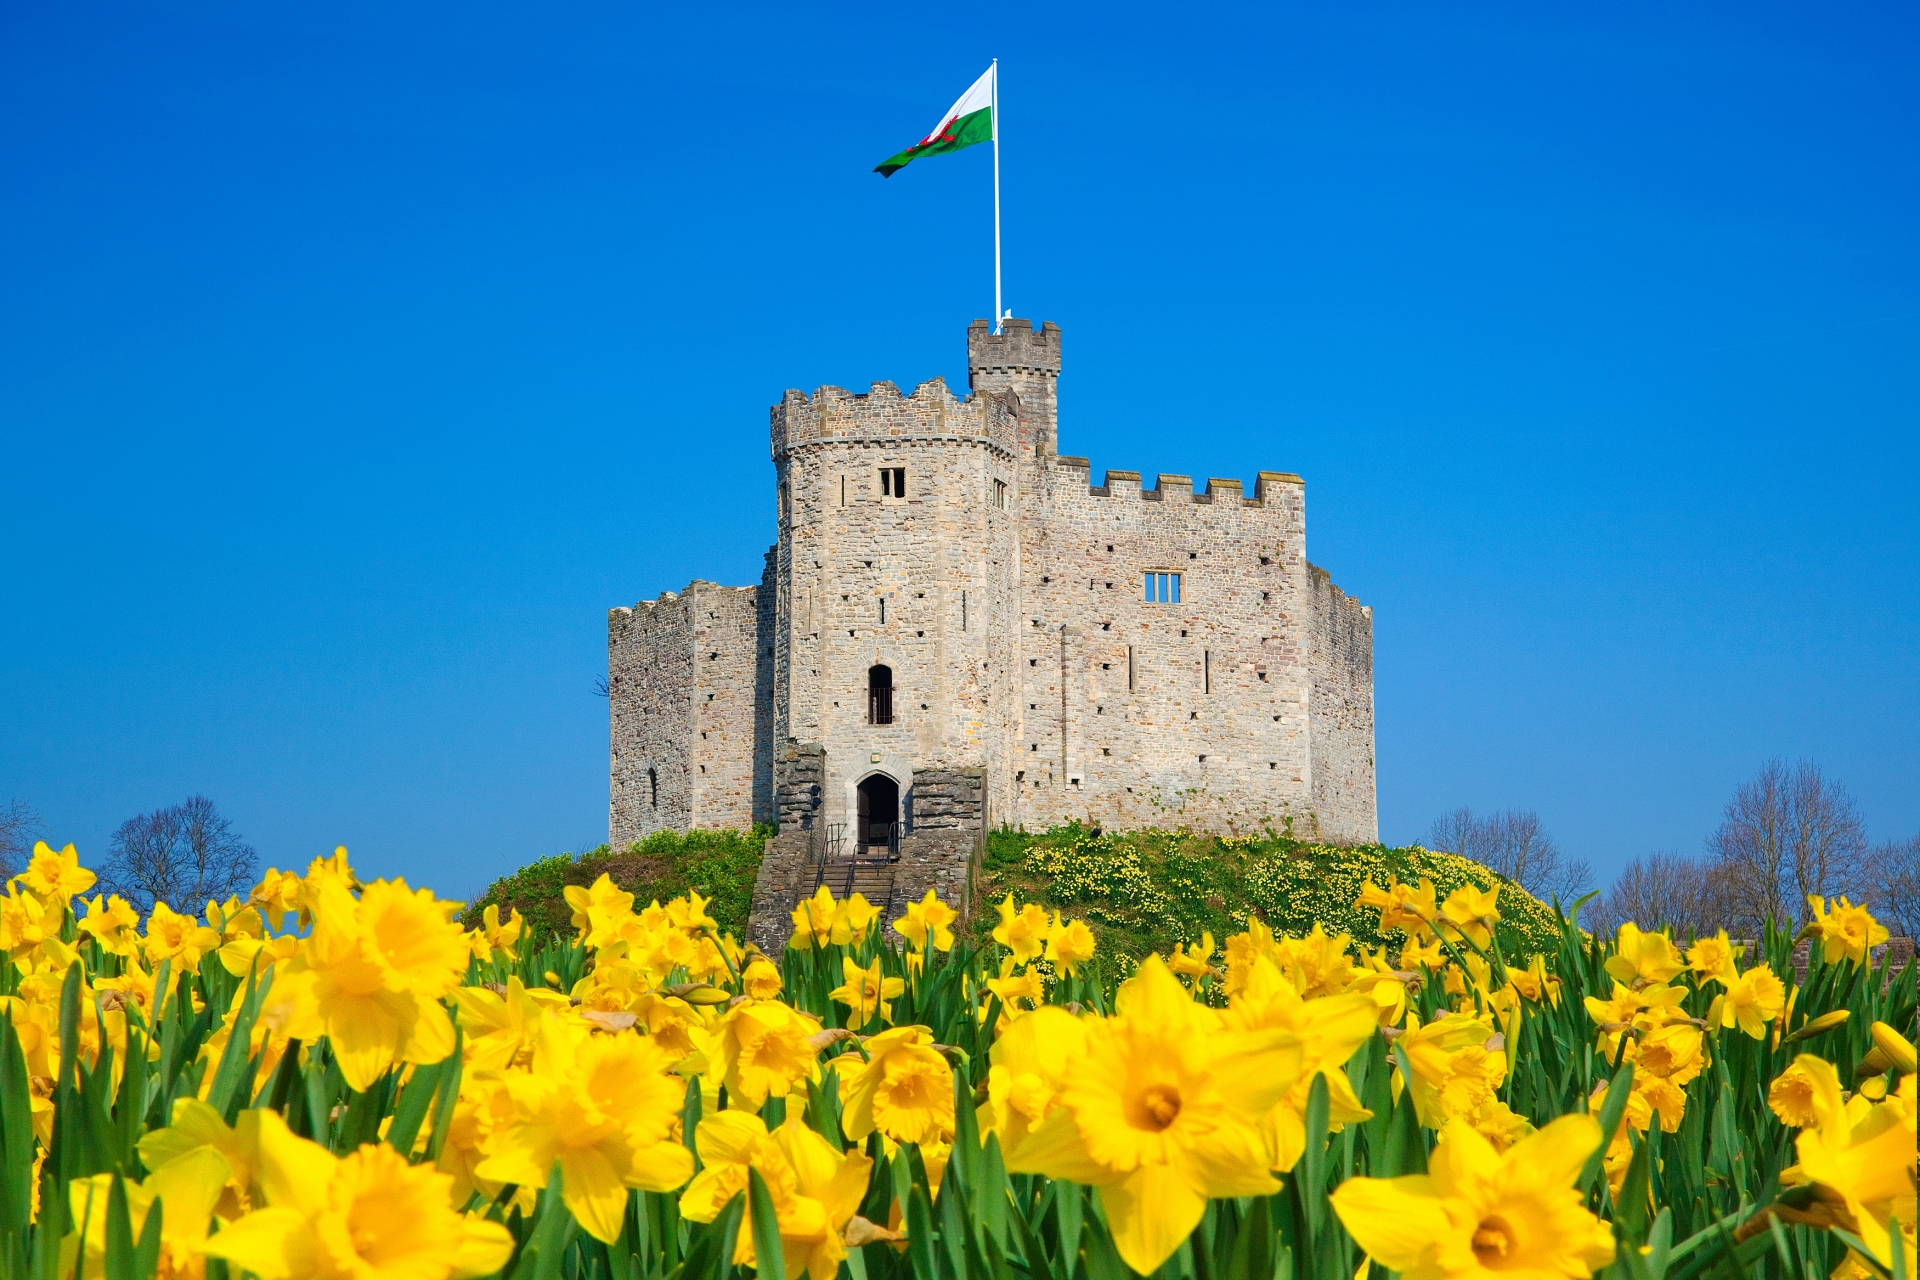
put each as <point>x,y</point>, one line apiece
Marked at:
<point>689,735</point>
<point>786,877</point>
<point>945,539</point>
<point>1340,657</point>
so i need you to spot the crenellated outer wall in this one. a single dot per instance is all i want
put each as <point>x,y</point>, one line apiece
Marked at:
<point>1022,650</point>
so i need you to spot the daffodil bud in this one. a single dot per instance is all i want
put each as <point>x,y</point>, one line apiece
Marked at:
<point>1897,1048</point>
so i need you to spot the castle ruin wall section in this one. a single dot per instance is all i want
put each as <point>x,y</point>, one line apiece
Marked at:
<point>684,677</point>
<point>1340,658</point>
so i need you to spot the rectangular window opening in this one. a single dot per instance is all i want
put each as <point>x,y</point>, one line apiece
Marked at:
<point>1129,666</point>
<point>1000,494</point>
<point>1161,588</point>
<point>843,491</point>
<point>1206,671</point>
<point>963,611</point>
<point>893,482</point>
<point>883,611</point>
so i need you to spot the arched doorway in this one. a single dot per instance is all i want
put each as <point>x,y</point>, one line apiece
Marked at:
<point>879,798</point>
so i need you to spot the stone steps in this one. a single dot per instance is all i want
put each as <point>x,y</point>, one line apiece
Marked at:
<point>874,881</point>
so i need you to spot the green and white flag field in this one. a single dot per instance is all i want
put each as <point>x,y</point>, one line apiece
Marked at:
<point>967,121</point>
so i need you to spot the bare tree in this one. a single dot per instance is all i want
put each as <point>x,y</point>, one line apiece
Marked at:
<point>1664,890</point>
<point>1515,844</point>
<point>19,828</point>
<point>1894,885</point>
<point>183,855</point>
<point>1787,833</point>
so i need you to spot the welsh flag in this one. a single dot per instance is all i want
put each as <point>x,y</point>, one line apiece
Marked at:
<point>967,121</point>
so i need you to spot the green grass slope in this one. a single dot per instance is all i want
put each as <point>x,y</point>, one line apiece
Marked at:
<point>1144,891</point>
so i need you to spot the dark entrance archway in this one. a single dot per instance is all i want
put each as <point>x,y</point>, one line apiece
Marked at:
<point>879,798</point>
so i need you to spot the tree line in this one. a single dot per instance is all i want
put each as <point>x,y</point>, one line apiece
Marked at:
<point>1787,833</point>
<point>183,854</point>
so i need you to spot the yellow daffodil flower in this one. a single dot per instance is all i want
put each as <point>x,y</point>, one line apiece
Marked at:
<point>1022,930</point>
<point>1018,992</point>
<point>813,921</point>
<point>1478,1211</point>
<point>1454,1071</point>
<point>1070,944</point>
<point>185,1192</point>
<point>348,1218</point>
<point>1713,959</point>
<point>1755,999</point>
<point>1028,1061</point>
<point>1162,1113</point>
<point>865,992</point>
<point>904,1089</point>
<point>1642,959</point>
<point>853,920</point>
<point>1861,1161</point>
<point>1808,1087</point>
<point>1402,907</point>
<point>1329,1031</point>
<point>605,1109</point>
<point>277,896</point>
<point>1194,959</point>
<point>1470,913</point>
<point>764,1049</point>
<point>114,925</point>
<point>1846,932</point>
<point>56,877</point>
<point>761,980</point>
<point>815,1188</point>
<point>928,920</point>
<point>501,1027</point>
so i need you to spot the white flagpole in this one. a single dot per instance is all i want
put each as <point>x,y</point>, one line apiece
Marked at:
<point>996,195</point>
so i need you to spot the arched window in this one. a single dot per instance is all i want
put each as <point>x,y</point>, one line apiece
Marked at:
<point>880,695</point>
<point>653,786</point>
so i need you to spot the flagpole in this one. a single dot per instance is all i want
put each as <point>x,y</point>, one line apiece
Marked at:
<point>996,195</point>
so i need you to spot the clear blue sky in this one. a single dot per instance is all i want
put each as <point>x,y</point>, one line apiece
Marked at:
<point>354,359</point>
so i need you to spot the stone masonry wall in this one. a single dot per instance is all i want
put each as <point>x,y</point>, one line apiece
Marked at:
<point>1003,590</point>
<point>684,679</point>
<point>1340,656</point>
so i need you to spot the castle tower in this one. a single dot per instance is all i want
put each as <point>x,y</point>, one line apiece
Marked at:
<point>957,628</point>
<point>1028,364</point>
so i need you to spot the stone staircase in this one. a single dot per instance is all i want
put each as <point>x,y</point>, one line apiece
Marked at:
<point>872,879</point>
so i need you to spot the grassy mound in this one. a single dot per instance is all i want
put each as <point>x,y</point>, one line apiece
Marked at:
<point>1144,891</point>
<point>716,864</point>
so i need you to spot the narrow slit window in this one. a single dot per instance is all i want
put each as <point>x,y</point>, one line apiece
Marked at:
<point>1129,666</point>
<point>843,491</point>
<point>963,611</point>
<point>786,501</point>
<point>880,695</point>
<point>883,611</point>
<point>653,786</point>
<point>1206,671</point>
<point>1161,588</point>
<point>893,482</point>
<point>1000,494</point>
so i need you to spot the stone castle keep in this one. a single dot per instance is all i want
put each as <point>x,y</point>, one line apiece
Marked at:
<point>956,628</point>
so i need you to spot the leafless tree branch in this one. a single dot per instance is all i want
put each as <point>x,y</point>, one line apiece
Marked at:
<point>183,855</point>
<point>20,826</point>
<point>1787,833</point>
<point>1515,844</point>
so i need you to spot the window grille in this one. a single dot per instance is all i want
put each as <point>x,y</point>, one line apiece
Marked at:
<point>1161,588</point>
<point>880,695</point>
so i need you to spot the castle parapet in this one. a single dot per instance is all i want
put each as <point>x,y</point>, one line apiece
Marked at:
<point>931,411</point>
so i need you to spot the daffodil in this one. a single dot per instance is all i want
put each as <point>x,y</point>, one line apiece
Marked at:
<point>501,1027</point>
<point>1454,1070</point>
<point>277,896</point>
<point>1642,959</point>
<point>1897,1049</point>
<point>197,1128</point>
<point>1070,944</point>
<point>184,1191</point>
<point>57,877</point>
<point>813,921</point>
<point>1022,930</point>
<point>604,1109</point>
<point>904,1089</point>
<point>1029,1061</point>
<point>761,979</point>
<point>928,922</point>
<point>853,920</point>
<point>765,1049</point>
<point>815,1188</point>
<point>371,976</point>
<point>1807,1089</point>
<point>1846,932</point>
<point>1713,959</point>
<point>1329,1031</point>
<point>1754,999</point>
<point>1860,1160</point>
<point>865,992</point>
<point>1478,1211</point>
<point>1017,991</point>
<point>1673,1052</point>
<point>497,935</point>
<point>368,1214</point>
<point>1402,907</point>
<point>114,924</point>
<point>1194,959</point>
<point>180,938</point>
<point>1470,913</point>
<point>1162,1113</point>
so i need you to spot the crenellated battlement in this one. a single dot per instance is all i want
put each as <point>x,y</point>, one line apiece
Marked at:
<point>1017,348</point>
<point>1268,487</point>
<point>883,413</point>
